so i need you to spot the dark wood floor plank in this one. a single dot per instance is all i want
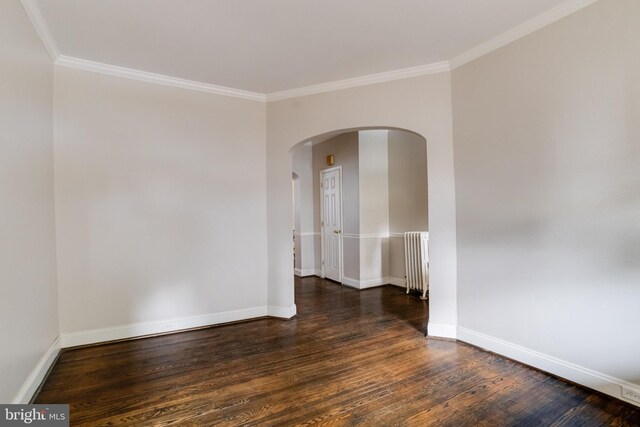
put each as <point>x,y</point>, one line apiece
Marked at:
<point>348,358</point>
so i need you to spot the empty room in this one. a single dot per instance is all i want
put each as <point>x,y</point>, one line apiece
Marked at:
<point>301,212</point>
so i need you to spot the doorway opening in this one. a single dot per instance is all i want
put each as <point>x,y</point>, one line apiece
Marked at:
<point>358,191</point>
<point>331,218</point>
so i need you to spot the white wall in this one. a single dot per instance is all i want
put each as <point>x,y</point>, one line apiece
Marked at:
<point>421,104</point>
<point>373,155</point>
<point>305,236</point>
<point>160,203</point>
<point>547,155</point>
<point>28,305</point>
<point>408,195</point>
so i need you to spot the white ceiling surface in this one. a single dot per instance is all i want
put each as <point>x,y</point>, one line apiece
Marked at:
<point>268,46</point>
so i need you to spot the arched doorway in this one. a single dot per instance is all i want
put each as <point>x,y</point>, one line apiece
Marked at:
<point>385,188</point>
<point>420,104</point>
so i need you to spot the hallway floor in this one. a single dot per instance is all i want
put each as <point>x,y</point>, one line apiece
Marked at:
<point>349,358</point>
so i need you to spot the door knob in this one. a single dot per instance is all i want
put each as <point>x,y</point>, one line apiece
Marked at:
<point>336,231</point>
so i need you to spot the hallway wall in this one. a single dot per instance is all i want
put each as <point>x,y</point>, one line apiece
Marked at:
<point>408,195</point>
<point>344,147</point>
<point>305,235</point>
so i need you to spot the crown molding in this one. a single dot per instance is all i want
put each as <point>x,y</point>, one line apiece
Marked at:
<point>534,24</point>
<point>41,27</point>
<point>437,67</point>
<point>129,73</point>
<point>528,27</point>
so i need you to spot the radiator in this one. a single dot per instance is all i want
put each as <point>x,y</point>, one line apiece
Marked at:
<point>416,259</point>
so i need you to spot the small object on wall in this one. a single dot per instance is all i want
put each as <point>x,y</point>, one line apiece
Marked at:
<point>330,160</point>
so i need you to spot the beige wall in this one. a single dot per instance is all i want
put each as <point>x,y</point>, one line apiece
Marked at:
<point>408,194</point>
<point>28,305</point>
<point>305,236</point>
<point>408,186</point>
<point>547,155</point>
<point>421,104</point>
<point>374,207</point>
<point>374,181</point>
<point>160,202</point>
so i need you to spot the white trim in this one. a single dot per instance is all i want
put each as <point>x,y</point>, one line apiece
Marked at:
<point>421,70</point>
<point>441,330</point>
<point>304,273</point>
<point>38,373</point>
<point>282,312</point>
<point>589,378</point>
<point>318,272</point>
<point>373,235</point>
<point>129,73</point>
<point>71,339</point>
<point>305,234</point>
<point>364,284</point>
<point>396,281</point>
<point>532,25</point>
<point>41,27</point>
<point>350,282</point>
<point>372,283</point>
<point>552,15</point>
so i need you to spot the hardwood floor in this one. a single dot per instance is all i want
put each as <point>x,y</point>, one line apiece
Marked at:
<point>348,358</point>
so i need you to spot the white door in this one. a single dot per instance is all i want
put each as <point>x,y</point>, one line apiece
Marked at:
<point>331,225</point>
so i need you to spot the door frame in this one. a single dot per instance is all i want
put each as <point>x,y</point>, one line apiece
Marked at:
<point>340,238</point>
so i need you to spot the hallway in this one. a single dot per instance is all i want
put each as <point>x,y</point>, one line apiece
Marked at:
<point>349,357</point>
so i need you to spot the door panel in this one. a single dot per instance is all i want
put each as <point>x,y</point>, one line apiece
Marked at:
<point>331,191</point>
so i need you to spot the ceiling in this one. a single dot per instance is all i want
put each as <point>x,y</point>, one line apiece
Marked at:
<point>268,46</point>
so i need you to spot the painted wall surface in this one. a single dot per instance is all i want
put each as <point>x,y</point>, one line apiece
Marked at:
<point>408,194</point>
<point>421,104</point>
<point>295,188</point>
<point>345,150</point>
<point>547,155</point>
<point>28,306</point>
<point>374,206</point>
<point>160,202</point>
<point>305,236</point>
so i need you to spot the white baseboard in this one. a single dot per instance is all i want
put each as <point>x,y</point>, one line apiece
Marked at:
<point>441,330</point>
<point>36,376</point>
<point>282,312</point>
<point>72,339</point>
<point>372,283</point>
<point>318,272</point>
<point>304,273</point>
<point>352,283</point>
<point>396,281</point>
<point>594,380</point>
